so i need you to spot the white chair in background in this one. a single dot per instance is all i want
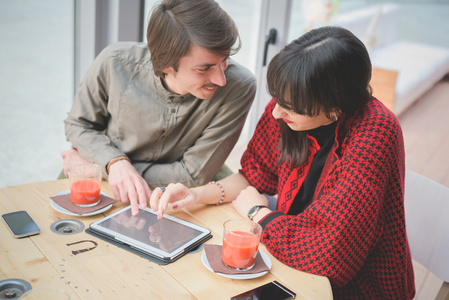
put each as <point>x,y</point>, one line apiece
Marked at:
<point>427,221</point>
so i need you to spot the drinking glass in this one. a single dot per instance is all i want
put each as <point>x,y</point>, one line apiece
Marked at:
<point>241,239</point>
<point>85,184</point>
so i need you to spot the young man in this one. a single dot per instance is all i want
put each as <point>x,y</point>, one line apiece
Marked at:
<point>170,114</point>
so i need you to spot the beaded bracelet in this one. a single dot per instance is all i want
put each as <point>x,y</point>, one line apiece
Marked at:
<point>222,191</point>
<point>114,160</point>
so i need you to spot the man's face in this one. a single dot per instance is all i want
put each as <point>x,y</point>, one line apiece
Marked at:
<point>200,72</point>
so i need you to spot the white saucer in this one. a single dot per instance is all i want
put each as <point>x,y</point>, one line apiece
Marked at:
<point>265,258</point>
<point>67,212</point>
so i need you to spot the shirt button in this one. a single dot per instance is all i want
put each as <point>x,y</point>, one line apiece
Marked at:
<point>173,110</point>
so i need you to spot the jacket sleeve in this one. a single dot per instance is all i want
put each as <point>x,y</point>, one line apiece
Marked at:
<point>88,117</point>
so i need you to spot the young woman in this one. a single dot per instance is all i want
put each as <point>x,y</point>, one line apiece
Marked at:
<point>334,156</point>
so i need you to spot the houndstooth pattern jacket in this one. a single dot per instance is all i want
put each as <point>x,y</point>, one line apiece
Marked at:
<point>354,230</point>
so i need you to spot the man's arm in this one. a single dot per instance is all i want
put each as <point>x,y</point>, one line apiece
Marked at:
<point>85,127</point>
<point>88,118</point>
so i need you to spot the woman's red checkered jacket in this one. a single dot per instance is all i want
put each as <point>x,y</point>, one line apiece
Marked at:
<point>354,230</point>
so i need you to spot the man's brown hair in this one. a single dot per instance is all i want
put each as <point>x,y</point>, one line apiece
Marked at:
<point>177,24</point>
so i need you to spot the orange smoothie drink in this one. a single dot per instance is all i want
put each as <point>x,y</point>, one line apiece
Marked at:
<point>240,243</point>
<point>85,184</point>
<point>85,192</point>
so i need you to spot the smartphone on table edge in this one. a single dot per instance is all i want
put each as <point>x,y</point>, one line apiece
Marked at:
<point>20,224</point>
<point>270,291</point>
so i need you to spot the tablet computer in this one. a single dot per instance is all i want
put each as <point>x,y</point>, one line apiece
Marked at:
<point>166,239</point>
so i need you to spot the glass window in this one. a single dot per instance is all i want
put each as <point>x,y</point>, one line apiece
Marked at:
<point>419,21</point>
<point>246,14</point>
<point>36,88</point>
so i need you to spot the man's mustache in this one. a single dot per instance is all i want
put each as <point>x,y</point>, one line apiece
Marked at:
<point>210,86</point>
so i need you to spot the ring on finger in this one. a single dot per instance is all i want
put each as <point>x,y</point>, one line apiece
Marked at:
<point>162,188</point>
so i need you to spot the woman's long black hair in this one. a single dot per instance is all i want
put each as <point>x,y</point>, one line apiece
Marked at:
<point>327,69</point>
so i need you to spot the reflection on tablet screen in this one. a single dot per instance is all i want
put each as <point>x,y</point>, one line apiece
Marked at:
<point>163,234</point>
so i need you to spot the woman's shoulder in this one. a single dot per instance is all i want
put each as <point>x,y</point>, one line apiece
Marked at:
<point>374,119</point>
<point>374,124</point>
<point>267,129</point>
<point>271,104</point>
<point>375,111</point>
<point>267,120</point>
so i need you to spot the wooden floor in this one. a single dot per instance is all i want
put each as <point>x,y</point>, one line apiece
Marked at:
<point>425,126</point>
<point>426,134</point>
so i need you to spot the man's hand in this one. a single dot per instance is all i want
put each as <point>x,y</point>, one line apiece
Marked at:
<point>128,186</point>
<point>70,158</point>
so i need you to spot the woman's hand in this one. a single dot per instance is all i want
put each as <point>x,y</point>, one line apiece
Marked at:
<point>176,193</point>
<point>248,198</point>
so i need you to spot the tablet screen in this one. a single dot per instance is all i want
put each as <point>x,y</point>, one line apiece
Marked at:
<point>143,230</point>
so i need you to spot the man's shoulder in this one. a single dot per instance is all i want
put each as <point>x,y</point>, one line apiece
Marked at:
<point>239,74</point>
<point>240,85</point>
<point>134,51</point>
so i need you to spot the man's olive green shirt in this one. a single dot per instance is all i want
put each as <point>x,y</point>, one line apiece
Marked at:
<point>121,108</point>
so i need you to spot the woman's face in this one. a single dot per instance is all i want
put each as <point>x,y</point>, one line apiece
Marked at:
<point>298,122</point>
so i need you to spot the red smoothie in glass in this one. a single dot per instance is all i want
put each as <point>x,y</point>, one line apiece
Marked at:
<point>85,192</point>
<point>240,249</point>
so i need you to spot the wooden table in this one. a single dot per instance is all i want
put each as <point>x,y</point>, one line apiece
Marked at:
<point>108,272</point>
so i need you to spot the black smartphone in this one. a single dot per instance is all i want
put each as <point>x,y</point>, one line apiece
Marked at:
<point>270,291</point>
<point>20,223</point>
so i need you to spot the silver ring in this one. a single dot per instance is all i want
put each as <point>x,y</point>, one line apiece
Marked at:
<point>162,188</point>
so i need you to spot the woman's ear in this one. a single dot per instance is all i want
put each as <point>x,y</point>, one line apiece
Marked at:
<point>335,114</point>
